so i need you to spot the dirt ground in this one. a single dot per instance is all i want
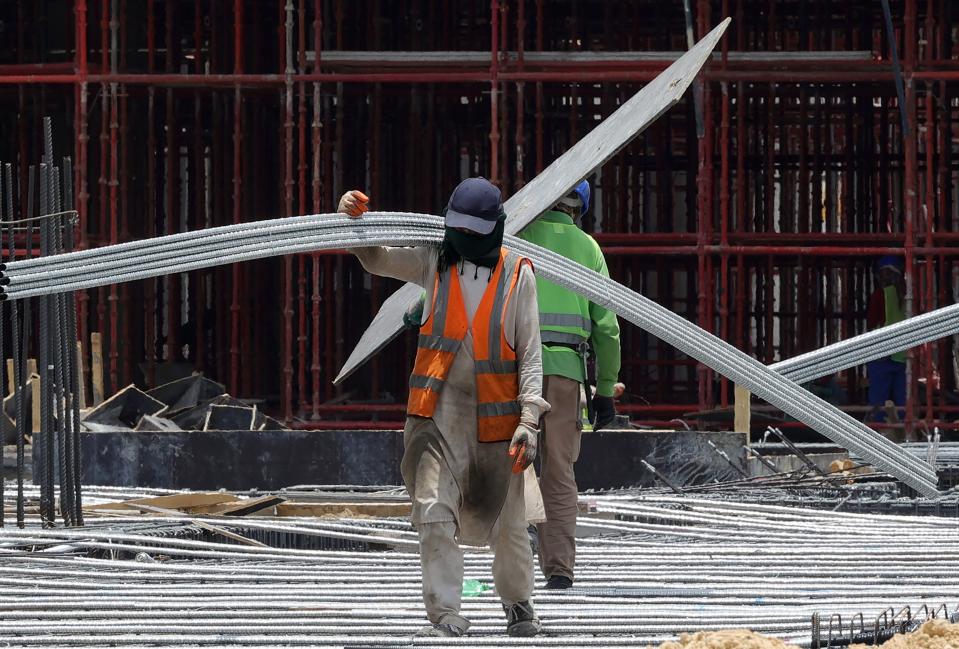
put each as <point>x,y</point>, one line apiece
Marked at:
<point>934,634</point>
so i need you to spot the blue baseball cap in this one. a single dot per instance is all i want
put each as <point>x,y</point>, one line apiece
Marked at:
<point>892,262</point>
<point>476,204</point>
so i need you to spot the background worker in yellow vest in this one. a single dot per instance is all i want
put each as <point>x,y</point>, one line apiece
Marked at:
<point>568,325</point>
<point>475,403</point>
<point>887,376</point>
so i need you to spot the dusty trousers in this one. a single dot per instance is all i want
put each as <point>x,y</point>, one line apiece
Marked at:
<point>441,559</point>
<point>560,434</point>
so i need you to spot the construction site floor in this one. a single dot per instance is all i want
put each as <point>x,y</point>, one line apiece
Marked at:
<point>650,568</point>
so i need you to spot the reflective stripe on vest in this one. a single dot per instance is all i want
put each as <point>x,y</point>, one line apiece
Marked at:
<point>564,328</point>
<point>439,340</point>
<point>497,382</point>
<point>565,320</point>
<point>547,337</point>
<point>498,410</point>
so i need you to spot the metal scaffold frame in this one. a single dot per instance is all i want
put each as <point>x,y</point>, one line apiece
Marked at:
<point>761,229</point>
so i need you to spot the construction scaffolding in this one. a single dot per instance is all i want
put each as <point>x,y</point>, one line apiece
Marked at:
<point>759,221</point>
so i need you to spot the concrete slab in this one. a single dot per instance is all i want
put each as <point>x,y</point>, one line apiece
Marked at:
<point>240,460</point>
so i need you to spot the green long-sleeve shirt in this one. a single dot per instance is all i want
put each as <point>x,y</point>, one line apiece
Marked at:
<point>557,232</point>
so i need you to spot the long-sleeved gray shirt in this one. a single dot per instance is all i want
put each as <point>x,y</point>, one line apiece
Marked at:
<point>521,322</point>
<point>479,473</point>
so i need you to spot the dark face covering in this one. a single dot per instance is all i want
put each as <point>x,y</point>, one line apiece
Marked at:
<point>481,249</point>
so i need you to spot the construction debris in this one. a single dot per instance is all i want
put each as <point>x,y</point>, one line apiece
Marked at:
<point>229,417</point>
<point>125,408</point>
<point>151,423</point>
<point>191,403</point>
<point>934,634</point>
<point>187,392</point>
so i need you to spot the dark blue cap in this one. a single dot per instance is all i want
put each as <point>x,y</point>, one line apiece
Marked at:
<point>476,204</point>
<point>890,261</point>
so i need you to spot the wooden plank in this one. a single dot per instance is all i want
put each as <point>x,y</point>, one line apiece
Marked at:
<point>207,526</point>
<point>228,534</point>
<point>741,411</point>
<point>96,367</point>
<point>11,379</point>
<point>244,507</point>
<point>35,400</point>
<point>81,388</point>
<point>344,509</point>
<point>189,501</point>
<point>543,191</point>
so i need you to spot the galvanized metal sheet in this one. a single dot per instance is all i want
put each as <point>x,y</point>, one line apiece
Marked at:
<point>541,193</point>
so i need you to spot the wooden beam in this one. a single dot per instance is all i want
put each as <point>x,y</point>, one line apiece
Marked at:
<point>174,501</point>
<point>81,388</point>
<point>35,400</point>
<point>345,509</point>
<point>207,526</point>
<point>96,356</point>
<point>741,411</point>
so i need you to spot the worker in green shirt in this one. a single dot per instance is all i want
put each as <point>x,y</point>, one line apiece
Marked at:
<point>569,325</point>
<point>887,376</point>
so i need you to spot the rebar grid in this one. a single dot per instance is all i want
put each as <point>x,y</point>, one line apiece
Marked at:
<point>633,586</point>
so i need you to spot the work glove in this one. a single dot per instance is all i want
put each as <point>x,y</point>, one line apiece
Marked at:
<point>605,409</point>
<point>413,317</point>
<point>522,448</point>
<point>353,203</point>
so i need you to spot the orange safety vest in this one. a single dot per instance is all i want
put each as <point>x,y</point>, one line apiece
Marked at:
<point>497,380</point>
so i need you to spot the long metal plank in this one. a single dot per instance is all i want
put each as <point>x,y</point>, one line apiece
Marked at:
<point>541,193</point>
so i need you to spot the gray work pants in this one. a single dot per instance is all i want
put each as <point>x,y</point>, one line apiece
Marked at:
<point>442,561</point>
<point>560,435</point>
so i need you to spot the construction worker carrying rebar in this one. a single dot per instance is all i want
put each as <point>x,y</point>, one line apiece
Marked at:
<point>569,325</point>
<point>475,401</point>
<point>887,376</point>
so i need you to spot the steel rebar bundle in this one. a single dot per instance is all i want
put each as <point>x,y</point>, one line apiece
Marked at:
<point>247,241</point>
<point>55,445</point>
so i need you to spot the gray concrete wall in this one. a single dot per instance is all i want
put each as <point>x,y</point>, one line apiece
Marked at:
<point>240,460</point>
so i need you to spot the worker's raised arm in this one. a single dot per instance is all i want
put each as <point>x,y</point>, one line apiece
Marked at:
<point>406,264</point>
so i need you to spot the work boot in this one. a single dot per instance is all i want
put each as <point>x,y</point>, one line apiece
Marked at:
<point>440,631</point>
<point>521,620</point>
<point>559,582</point>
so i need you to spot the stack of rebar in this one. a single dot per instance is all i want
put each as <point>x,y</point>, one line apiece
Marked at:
<point>242,242</point>
<point>47,327</point>
<point>649,567</point>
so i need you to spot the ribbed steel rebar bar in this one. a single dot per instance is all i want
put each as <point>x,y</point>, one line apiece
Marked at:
<point>61,373</point>
<point>635,308</point>
<point>868,346</point>
<point>18,360</point>
<point>72,359</point>
<point>45,435</point>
